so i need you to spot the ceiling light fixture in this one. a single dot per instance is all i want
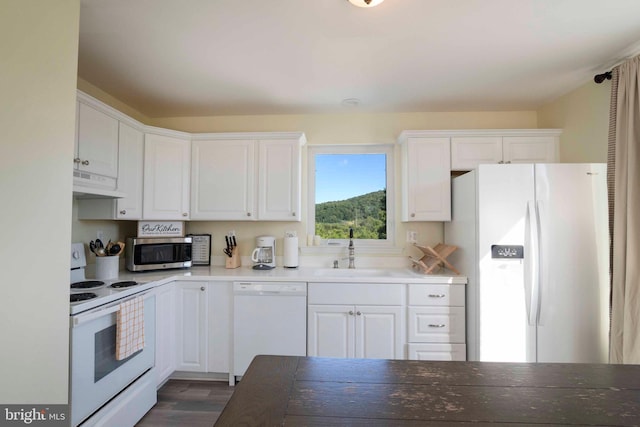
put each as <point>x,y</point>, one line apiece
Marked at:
<point>365,3</point>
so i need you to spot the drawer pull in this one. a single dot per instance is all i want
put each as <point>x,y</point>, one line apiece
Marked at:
<point>441,325</point>
<point>437,295</point>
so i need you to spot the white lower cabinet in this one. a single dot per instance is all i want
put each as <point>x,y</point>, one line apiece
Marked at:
<point>437,352</point>
<point>165,333</point>
<point>191,326</point>
<point>436,322</point>
<point>366,321</point>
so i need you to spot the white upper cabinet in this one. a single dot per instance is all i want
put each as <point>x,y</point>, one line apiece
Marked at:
<point>222,179</point>
<point>166,177</point>
<point>130,164</point>
<point>426,178</point>
<point>97,144</point>
<point>246,176</point>
<point>279,180</point>
<point>130,161</point>
<point>471,148</point>
<point>467,152</point>
<point>530,149</point>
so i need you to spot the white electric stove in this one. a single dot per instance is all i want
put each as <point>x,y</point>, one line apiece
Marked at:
<point>86,294</point>
<point>105,390</point>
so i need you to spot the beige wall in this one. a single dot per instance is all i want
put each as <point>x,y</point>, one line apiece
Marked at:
<point>583,114</point>
<point>39,48</point>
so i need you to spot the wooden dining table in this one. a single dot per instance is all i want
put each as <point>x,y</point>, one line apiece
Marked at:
<point>310,391</point>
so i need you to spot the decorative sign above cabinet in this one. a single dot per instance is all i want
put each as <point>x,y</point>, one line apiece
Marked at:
<point>160,229</point>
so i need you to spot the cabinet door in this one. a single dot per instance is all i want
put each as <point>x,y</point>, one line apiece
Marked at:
<point>468,152</point>
<point>220,326</point>
<point>165,333</point>
<point>166,177</point>
<point>437,352</point>
<point>331,331</point>
<point>97,142</point>
<point>223,180</point>
<point>191,333</point>
<point>379,332</point>
<point>130,161</point>
<point>530,149</point>
<point>279,180</point>
<point>436,324</point>
<point>427,187</point>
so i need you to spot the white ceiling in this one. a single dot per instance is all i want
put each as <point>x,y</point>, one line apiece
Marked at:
<point>226,57</point>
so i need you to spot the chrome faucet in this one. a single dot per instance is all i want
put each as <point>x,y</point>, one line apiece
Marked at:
<point>352,250</point>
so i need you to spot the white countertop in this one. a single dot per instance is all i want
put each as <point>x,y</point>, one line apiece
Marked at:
<point>300,274</point>
<point>213,274</point>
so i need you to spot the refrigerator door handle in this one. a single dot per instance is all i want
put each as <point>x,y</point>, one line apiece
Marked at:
<point>539,264</point>
<point>531,266</point>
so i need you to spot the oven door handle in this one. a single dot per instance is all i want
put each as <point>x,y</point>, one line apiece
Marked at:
<point>83,318</point>
<point>78,320</point>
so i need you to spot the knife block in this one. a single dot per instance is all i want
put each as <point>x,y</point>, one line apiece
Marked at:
<point>233,261</point>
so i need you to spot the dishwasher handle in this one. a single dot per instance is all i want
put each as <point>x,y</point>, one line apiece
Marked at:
<point>270,288</point>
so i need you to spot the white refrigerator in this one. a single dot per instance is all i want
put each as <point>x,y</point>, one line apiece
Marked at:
<point>533,242</point>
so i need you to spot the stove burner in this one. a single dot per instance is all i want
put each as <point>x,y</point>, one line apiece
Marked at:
<point>82,296</point>
<point>125,284</point>
<point>87,284</point>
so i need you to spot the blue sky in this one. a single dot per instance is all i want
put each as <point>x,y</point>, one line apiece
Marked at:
<point>342,176</point>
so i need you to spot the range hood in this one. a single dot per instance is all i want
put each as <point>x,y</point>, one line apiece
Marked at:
<point>84,192</point>
<point>91,186</point>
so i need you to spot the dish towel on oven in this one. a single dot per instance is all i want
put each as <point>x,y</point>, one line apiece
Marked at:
<point>130,328</point>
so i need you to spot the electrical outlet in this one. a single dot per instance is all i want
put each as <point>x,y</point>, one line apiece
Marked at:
<point>412,236</point>
<point>100,235</point>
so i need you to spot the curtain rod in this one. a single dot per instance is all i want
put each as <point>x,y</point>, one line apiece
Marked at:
<point>599,78</point>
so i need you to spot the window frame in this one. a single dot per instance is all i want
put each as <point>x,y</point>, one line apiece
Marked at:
<point>388,150</point>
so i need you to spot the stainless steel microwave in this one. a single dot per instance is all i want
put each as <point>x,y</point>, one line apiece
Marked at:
<point>158,253</point>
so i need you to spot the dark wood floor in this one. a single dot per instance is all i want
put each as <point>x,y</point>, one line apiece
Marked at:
<point>188,403</point>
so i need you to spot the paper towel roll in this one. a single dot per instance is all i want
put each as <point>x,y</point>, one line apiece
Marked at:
<point>290,252</point>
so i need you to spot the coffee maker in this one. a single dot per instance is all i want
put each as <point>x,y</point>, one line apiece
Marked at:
<point>264,255</point>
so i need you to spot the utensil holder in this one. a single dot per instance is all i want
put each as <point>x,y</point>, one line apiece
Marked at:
<point>107,267</point>
<point>234,260</point>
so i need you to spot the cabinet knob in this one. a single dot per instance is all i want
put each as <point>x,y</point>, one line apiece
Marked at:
<point>202,288</point>
<point>85,162</point>
<point>350,312</point>
<point>76,160</point>
<point>248,213</point>
<point>413,215</point>
<point>358,313</point>
<point>293,214</point>
<point>184,214</point>
<point>500,162</point>
<point>123,212</point>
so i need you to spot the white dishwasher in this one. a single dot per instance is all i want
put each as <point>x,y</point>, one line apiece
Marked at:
<point>268,318</point>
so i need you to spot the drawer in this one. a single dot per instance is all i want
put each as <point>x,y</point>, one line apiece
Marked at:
<point>357,293</point>
<point>436,324</point>
<point>438,295</point>
<point>437,352</point>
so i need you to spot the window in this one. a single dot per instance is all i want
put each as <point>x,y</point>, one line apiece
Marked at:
<point>351,186</point>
